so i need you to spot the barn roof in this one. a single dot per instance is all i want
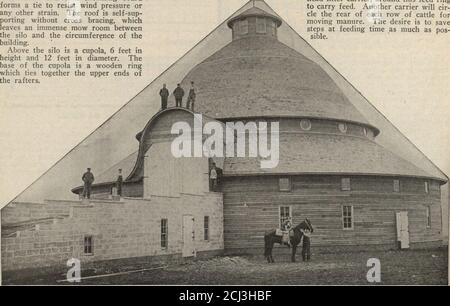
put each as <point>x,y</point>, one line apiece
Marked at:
<point>101,149</point>
<point>126,165</point>
<point>302,154</point>
<point>329,154</point>
<point>132,165</point>
<point>259,76</point>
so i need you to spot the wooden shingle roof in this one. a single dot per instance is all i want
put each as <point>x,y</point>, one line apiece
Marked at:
<point>328,154</point>
<point>259,76</point>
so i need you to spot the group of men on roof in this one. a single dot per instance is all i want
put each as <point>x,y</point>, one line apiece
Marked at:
<point>88,177</point>
<point>178,93</point>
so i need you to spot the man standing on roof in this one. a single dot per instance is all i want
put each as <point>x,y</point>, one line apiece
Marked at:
<point>164,93</point>
<point>88,179</point>
<point>119,183</point>
<point>191,97</point>
<point>213,177</point>
<point>179,94</point>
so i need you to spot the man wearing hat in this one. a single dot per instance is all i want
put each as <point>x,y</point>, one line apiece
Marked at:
<point>164,93</point>
<point>191,98</point>
<point>179,94</point>
<point>119,183</point>
<point>88,179</point>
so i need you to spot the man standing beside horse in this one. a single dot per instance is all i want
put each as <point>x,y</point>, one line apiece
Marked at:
<point>271,237</point>
<point>306,246</point>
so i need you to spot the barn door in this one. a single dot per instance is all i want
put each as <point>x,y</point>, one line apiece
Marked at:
<point>188,236</point>
<point>402,229</point>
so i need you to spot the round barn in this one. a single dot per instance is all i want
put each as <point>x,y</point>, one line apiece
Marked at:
<point>331,168</point>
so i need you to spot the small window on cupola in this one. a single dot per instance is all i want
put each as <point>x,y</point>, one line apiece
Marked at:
<point>270,26</point>
<point>235,28</point>
<point>261,25</point>
<point>243,26</point>
<point>273,28</point>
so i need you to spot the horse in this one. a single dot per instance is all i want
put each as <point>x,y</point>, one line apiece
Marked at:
<point>270,238</point>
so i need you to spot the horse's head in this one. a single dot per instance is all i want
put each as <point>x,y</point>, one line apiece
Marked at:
<point>306,224</point>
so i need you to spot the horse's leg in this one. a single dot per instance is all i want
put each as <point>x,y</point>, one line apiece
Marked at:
<point>303,252</point>
<point>270,253</point>
<point>269,257</point>
<point>272,242</point>
<point>266,248</point>
<point>294,250</point>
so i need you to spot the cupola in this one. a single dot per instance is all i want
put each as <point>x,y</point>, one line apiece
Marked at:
<point>254,22</point>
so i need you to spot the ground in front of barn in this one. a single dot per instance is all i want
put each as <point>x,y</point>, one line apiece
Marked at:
<point>412,267</point>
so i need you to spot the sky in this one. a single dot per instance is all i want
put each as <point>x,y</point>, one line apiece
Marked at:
<point>40,124</point>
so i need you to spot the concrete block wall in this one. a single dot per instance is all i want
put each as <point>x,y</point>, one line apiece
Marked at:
<point>125,229</point>
<point>21,212</point>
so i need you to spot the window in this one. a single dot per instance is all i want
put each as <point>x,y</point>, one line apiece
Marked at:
<point>243,24</point>
<point>345,184</point>
<point>365,132</point>
<point>285,184</point>
<point>206,227</point>
<point>164,234</point>
<point>427,187</point>
<point>342,127</point>
<point>273,27</point>
<point>285,214</point>
<point>428,216</point>
<point>235,29</point>
<point>396,186</point>
<point>305,124</point>
<point>270,27</point>
<point>260,25</point>
<point>88,245</point>
<point>347,217</point>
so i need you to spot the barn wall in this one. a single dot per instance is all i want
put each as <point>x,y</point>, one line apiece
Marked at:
<point>126,229</point>
<point>251,206</point>
<point>166,175</point>
<point>21,211</point>
<point>133,189</point>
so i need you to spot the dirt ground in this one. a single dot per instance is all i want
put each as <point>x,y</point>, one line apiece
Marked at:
<point>413,267</point>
